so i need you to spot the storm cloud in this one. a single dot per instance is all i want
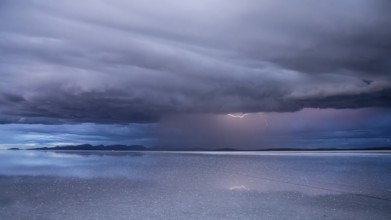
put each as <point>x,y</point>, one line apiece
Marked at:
<point>123,61</point>
<point>308,128</point>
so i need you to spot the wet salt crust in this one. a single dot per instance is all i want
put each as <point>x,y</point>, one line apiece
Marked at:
<point>120,185</point>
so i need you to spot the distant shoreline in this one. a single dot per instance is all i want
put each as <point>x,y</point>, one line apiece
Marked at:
<point>140,148</point>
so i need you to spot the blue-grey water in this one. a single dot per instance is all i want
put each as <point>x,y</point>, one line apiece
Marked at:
<point>204,185</point>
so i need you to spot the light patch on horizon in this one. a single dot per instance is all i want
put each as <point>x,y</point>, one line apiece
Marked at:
<point>239,188</point>
<point>238,115</point>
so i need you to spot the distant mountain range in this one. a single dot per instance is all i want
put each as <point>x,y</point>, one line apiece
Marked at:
<point>119,147</point>
<point>116,147</point>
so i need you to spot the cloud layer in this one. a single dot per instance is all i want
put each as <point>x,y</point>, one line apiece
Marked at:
<point>130,61</point>
<point>37,135</point>
<point>308,128</point>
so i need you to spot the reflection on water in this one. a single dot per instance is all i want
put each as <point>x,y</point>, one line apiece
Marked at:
<point>135,185</point>
<point>72,164</point>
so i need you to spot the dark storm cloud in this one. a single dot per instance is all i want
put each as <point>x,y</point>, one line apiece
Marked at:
<point>131,61</point>
<point>308,128</point>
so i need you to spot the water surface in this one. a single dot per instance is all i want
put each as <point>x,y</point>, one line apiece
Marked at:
<point>198,185</point>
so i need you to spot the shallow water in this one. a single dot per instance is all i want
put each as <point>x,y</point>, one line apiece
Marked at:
<point>198,185</point>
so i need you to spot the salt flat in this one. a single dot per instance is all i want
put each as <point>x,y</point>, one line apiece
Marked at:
<point>195,185</point>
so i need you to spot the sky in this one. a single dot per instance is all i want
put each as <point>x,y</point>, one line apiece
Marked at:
<point>172,73</point>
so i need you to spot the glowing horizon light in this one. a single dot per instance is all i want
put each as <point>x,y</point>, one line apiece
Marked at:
<point>239,188</point>
<point>237,115</point>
